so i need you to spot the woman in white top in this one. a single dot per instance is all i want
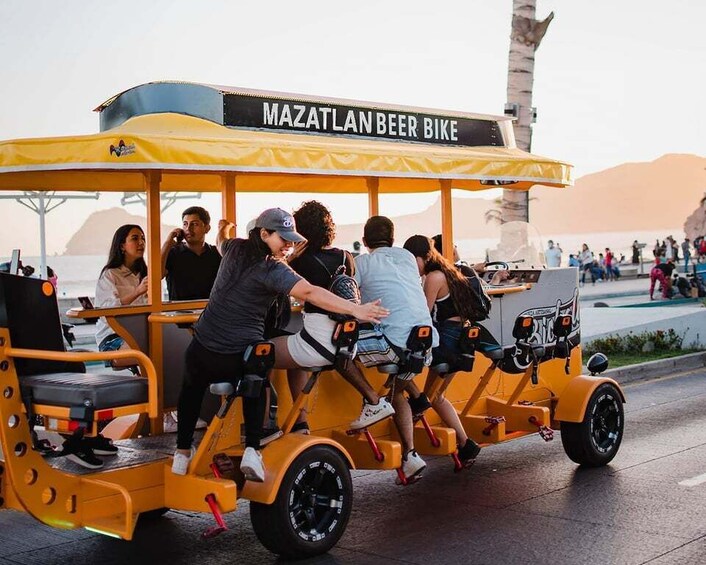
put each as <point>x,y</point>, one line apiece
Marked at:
<point>123,281</point>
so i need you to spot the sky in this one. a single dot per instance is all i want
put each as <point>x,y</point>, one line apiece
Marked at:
<point>615,81</point>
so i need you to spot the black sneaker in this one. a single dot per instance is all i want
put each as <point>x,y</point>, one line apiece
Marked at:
<point>84,456</point>
<point>468,452</point>
<point>419,405</point>
<point>101,445</point>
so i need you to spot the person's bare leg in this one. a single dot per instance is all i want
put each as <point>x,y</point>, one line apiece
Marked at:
<point>403,416</point>
<point>354,376</point>
<point>444,408</point>
<point>413,389</point>
<point>296,379</point>
<point>283,360</point>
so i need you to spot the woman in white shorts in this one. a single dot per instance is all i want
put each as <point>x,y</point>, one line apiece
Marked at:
<point>318,262</point>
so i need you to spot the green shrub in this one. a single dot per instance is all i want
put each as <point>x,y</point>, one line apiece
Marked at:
<point>661,340</point>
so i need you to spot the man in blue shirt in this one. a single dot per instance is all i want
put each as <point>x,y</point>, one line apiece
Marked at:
<point>391,274</point>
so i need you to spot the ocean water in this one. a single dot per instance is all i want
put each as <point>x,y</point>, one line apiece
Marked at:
<point>78,274</point>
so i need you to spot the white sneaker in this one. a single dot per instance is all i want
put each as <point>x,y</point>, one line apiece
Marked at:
<point>180,464</point>
<point>412,465</point>
<point>252,467</point>
<point>372,414</point>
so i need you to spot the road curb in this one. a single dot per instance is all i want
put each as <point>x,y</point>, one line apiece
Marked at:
<point>656,369</point>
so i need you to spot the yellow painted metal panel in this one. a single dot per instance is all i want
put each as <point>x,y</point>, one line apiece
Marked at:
<point>574,398</point>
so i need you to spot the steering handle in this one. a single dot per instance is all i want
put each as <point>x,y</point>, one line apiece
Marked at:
<point>502,264</point>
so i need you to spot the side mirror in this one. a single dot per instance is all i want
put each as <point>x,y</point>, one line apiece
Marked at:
<point>597,363</point>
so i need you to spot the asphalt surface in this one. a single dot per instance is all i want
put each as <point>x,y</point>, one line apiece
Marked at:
<point>523,502</point>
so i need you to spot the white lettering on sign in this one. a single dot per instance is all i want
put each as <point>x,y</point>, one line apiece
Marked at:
<point>350,125</point>
<point>269,114</point>
<point>412,127</point>
<point>324,114</point>
<point>381,124</point>
<point>312,121</point>
<point>286,116</point>
<point>334,119</point>
<point>366,122</point>
<point>428,128</point>
<point>370,122</point>
<point>300,112</point>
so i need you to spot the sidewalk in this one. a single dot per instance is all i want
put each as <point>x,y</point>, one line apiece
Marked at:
<point>626,307</point>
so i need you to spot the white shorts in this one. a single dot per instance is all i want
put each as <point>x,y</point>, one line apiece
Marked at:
<point>320,327</point>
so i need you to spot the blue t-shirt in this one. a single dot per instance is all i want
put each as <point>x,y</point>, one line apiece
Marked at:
<point>391,274</point>
<point>235,315</point>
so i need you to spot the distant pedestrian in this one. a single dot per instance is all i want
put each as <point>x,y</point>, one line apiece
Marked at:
<point>668,249</point>
<point>609,264</point>
<point>686,252</point>
<point>586,259</point>
<point>635,253</point>
<point>663,274</point>
<point>553,255</point>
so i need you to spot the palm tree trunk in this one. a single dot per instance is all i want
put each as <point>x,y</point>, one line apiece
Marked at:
<point>525,38</point>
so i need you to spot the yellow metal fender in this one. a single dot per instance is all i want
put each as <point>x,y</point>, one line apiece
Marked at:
<point>574,399</point>
<point>277,457</point>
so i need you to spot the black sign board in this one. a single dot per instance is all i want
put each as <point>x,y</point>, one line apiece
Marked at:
<point>248,111</point>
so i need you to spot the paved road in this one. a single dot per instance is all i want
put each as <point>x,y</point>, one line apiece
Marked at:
<point>523,502</point>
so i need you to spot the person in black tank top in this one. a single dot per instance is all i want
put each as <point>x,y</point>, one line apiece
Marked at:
<point>317,262</point>
<point>449,297</point>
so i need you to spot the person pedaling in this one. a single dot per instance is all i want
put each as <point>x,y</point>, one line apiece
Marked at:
<point>391,274</point>
<point>250,277</point>
<point>454,304</point>
<point>326,267</point>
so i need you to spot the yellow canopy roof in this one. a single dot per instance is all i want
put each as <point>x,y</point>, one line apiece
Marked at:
<point>191,153</point>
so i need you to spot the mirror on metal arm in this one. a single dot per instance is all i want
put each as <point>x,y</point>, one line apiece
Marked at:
<point>597,363</point>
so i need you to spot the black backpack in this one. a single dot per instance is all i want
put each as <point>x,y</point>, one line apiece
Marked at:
<point>481,304</point>
<point>342,285</point>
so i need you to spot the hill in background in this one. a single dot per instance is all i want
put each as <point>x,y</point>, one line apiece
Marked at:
<point>631,197</point>
<point>96,233</point>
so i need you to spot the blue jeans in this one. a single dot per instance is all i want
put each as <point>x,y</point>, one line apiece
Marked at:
<point>449,334</point>
<point>111,343</point>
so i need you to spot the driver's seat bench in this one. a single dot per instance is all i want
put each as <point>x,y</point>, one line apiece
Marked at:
<point>60,388</point>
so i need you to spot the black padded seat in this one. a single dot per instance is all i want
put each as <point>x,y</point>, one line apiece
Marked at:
<point>81,389</point>
<point>389,368</point>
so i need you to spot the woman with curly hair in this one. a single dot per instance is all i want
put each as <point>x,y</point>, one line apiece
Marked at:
<point>450,298</point>
<point>317,262</point>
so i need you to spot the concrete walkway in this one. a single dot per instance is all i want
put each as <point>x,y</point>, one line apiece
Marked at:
<point>629,309</point>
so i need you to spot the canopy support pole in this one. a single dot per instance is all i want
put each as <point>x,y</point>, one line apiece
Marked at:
<point>42,211</point>
<point>373,200</point>
<point>447,220</point>
<point>228,205</point>
<point>152,180</point>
